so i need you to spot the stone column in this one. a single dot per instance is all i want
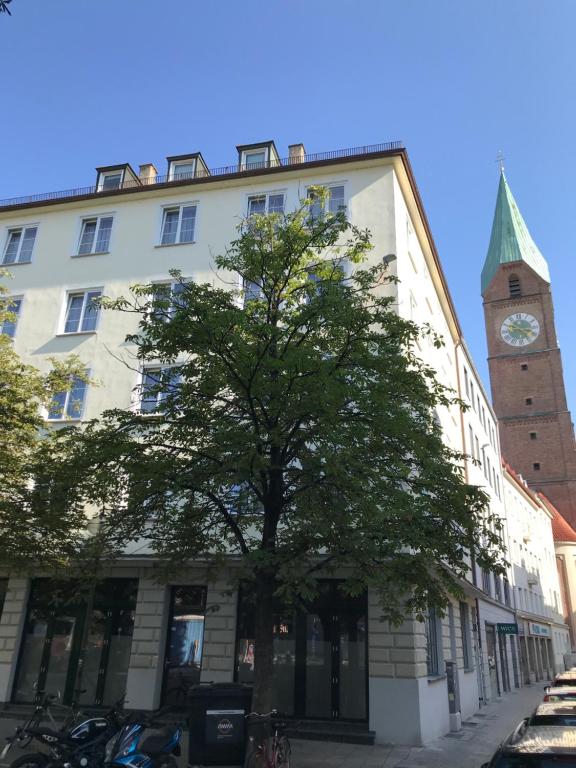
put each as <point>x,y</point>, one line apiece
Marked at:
<point>219,633</point>
<point>144,683</point>
<point>11,626</point>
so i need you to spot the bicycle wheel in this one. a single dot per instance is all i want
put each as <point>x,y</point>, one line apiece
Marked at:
<point>256,759</point>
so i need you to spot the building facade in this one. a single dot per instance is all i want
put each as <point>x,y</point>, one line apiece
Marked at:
<point>339,662</point>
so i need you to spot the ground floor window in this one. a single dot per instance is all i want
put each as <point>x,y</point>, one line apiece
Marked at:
<point>320,654</point>
<point>433,628</point>
<point>466,635</point>
<point>75,639</point>
<point>185,642</point>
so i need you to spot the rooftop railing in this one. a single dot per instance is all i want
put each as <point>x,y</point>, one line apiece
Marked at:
<point>200,173</point>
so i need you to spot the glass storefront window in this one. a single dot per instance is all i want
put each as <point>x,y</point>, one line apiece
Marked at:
<point>183,662</point>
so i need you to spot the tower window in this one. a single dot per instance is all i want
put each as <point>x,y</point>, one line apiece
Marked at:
<point>533,435</point>
<point>536,466</point>
<point>528,401</point>
<point>514,286</point>
<point>524,367</point>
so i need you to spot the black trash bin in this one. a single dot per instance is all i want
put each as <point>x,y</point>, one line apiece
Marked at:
<point>217,723</point>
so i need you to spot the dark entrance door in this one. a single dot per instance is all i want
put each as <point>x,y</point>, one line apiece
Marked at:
<point>57,657</point>
<point>320,656</point>
<point>492,663</point>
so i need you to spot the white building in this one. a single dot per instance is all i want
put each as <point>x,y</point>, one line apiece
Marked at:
<point>339,663</point>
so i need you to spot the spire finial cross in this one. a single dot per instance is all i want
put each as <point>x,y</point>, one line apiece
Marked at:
<point>500,160</point>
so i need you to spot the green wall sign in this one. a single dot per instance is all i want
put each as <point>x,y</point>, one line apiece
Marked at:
<point>507,629</point>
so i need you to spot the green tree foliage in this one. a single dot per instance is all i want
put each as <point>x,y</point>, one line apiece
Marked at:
<point>28,532</point>
<point>296,431</point>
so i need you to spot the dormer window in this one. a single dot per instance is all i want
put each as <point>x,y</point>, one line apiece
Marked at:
<point>112,177</point>
<point>182,169</point>
<point>256,156</point>
<point>110,180</point>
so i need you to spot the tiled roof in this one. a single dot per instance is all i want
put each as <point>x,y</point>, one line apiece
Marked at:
<point>561,529</point>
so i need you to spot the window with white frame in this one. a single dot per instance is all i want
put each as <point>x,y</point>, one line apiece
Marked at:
<point>110,180</point>
<point>434,655</point>
<point>178,224</point>
<point>333,203</point>
<point>254,158</point>
<point>12,305</point>
<point>268,203</point>
<point>95,235</point>
<point>69,404</point>
<point>19,245</point>
<point>82,311</point>
<point>167,297</point>
<point>182,169</point>
<point>158,383</point>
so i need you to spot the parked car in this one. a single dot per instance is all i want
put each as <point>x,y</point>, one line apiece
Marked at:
<point>553,713</point>
<point>536,747</point>
<point>561,693</point>
<point>564,678</point>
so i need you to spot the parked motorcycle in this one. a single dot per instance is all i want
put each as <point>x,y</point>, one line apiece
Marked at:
<point>77,744</point>
<point>145,741</point>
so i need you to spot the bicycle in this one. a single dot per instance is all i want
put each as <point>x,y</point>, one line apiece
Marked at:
<point>274,750</point>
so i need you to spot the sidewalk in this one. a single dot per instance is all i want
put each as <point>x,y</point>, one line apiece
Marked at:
<point>470,748</point>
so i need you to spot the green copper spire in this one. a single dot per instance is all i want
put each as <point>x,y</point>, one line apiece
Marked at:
<point>510,239</point>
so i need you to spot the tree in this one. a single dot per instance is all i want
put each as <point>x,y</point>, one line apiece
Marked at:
<point>289,425</point>
<point>28,532</point>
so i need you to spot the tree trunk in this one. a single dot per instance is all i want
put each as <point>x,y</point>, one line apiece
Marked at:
<point>262,696</point>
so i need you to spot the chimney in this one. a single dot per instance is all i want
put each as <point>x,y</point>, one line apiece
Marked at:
<point>296,153</point>
<point>147,173</point>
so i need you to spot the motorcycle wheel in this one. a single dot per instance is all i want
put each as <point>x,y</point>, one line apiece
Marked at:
<point>33,760</point>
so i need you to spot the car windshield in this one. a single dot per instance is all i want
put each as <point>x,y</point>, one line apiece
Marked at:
<point>536,761</point>
<point>553,720</point>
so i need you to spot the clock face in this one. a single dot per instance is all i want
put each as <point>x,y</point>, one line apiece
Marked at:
<point>520,329</point>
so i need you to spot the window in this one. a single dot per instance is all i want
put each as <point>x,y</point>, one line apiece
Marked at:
<point>170,295</point>
<point>498,588</point>
<point>19,245</point>
<point>261,204</point>
<point>536,466</point>
<point>471,433</point>
<point>185,641</point>
<point>178,225</point>
<point>466,636</point>
<point>472,400</point>
<point>95,235</point>
<point>533,435</point>
<point>477,448</point>
<point>524,367</point>
<point>254,159</point>
<point>514,286</point>
<point>70,404</point>
<point>110,180</point>
<point>252,291</point>
<point>182,169</point>
<point>333,203</point>
<point>528,401</point>
<point>82,312</point>
<point>8,327</point>
<point>158,383</point>
<point>466,384</point>
<point>433,629</point>
<point>486,582</point>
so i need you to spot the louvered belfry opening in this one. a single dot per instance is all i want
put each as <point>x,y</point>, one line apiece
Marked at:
<point>514,286</point>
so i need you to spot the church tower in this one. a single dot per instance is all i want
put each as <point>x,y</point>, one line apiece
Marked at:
<point>528,394</point>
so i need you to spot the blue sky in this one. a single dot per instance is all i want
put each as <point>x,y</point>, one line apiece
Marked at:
<point>96,82</point>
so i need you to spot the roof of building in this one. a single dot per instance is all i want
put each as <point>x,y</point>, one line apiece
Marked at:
<point>510,240</point>
<point>561,528</point>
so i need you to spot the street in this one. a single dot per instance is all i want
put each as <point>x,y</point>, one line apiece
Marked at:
<point>468,749</point>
